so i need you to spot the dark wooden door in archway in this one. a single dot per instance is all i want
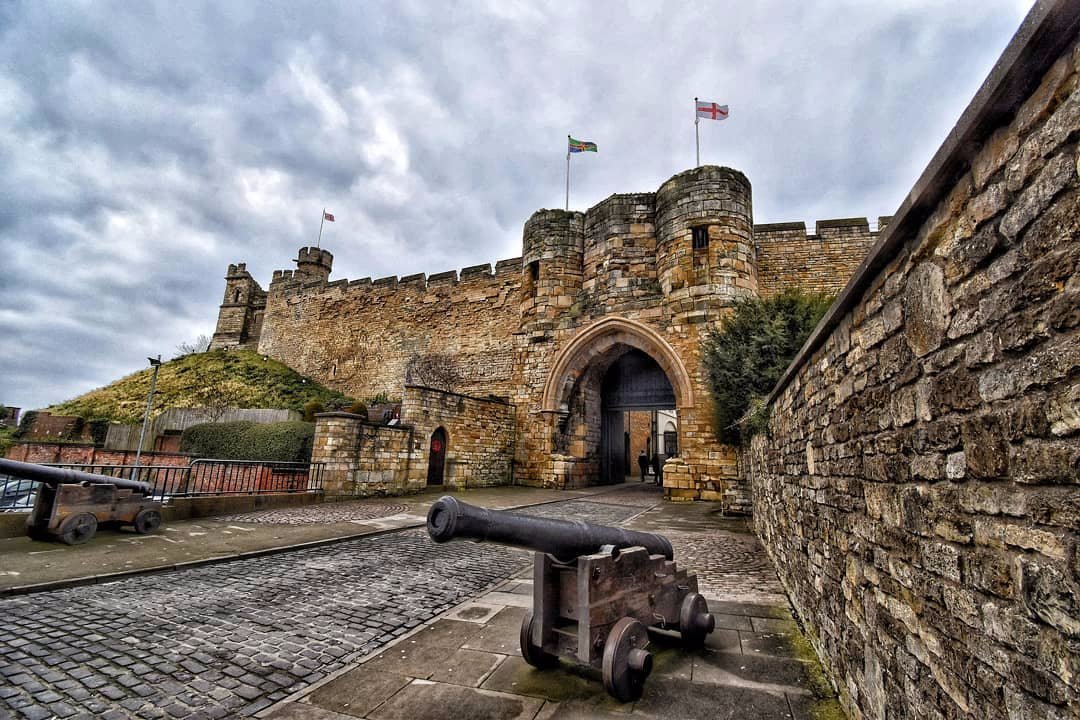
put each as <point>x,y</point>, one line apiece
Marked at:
<point>634,382</point>
<point>436,457</point>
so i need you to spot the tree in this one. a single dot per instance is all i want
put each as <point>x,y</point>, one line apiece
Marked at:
<point>199,345</point>
<point>217,397</point>
<point>433,370</point>
<point>745,358</point>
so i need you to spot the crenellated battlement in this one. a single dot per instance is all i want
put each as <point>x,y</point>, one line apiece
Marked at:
<point>291,283</point>
<point>772,232</point>
<point>790,255</point>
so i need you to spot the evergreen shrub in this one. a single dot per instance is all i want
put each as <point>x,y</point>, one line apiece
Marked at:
<point>745,358</point>
<point>245,440</point>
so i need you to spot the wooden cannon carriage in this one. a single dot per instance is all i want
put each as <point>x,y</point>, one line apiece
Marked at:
<point>597,590</point>
<point>71,504</point>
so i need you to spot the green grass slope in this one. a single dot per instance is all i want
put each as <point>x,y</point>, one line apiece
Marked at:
<point>236,379</point>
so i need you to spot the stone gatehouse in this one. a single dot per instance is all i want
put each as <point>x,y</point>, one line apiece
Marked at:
<point>595,331</point>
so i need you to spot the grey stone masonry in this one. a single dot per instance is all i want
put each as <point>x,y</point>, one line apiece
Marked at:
<point>919,486</point>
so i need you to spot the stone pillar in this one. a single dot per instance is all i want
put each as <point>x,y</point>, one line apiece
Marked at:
<point>337,445</point>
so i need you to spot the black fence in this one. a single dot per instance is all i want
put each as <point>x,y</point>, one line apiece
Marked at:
<point>200,479</point>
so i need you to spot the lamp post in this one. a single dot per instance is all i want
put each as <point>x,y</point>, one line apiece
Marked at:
<point>156,364</point>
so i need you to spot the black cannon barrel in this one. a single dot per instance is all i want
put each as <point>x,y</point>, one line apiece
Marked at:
<point>449,518</point>
<point>63,476</point>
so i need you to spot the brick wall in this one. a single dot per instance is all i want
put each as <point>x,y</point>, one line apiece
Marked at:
<point>479,437</point>
<point>73,454</point>
<point>918,489</point>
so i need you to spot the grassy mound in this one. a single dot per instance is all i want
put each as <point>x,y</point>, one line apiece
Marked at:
<point>211,379</point>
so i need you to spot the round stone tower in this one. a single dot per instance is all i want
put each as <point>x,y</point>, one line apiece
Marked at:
<point>314,263</point>
<point>552,248</point>
<point>705,254</point>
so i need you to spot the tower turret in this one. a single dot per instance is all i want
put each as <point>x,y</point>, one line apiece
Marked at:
<point>705,242</point>
<point>240,316</point>
<point>552,247</point>
<point>314,263</point>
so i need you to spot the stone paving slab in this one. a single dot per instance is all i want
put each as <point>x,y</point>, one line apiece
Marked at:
<point>726,679</point>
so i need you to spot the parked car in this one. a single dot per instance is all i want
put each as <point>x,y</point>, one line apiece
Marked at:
<point>16,493</point>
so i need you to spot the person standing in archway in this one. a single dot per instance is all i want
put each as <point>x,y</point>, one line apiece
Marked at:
<point>658,469</point>
<point>643,463</point>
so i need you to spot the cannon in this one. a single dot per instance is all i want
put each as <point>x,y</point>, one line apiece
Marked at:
<point>597,590</point>
<point>71,504</point>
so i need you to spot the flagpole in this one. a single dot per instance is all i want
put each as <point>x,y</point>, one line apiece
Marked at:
<point>322,221</point>
<point>567,173</point>
<point>697,136</point>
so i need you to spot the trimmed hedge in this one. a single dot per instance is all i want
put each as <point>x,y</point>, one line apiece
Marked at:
<point>246,440</point>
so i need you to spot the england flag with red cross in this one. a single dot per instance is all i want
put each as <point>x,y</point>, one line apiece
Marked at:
<point>711,110</point>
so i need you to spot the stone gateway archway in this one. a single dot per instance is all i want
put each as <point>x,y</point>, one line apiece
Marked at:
<point>609,369</point>
<point>597,341</point>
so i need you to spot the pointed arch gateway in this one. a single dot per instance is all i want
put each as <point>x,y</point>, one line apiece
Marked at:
<point>599,339</point>
<point>598,384</point>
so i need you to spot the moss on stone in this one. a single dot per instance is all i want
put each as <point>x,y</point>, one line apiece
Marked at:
<point>801,649</point>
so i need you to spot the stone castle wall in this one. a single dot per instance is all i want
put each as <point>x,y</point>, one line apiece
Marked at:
<point>359,337</point>
<point>479,436</point>
<point>819,263</point>
<point>667,265</point>
<point>917,489</point>
<point>361,458</point>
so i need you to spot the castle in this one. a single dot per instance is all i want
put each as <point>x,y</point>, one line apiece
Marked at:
<point>591,341</point>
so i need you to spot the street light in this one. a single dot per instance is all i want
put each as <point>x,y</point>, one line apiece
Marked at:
<point>156,364</point>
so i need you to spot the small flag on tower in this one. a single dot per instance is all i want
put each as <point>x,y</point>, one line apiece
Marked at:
<point>577,146</point>
<point>328,216</point>
<point>711,110</point>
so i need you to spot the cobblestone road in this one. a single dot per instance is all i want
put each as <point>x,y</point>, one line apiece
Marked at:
<point>233,638</point>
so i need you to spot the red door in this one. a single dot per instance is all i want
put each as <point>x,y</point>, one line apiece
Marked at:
<point>436,457</point>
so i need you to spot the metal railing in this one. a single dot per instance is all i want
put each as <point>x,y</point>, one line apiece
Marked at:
<point>203,478</point>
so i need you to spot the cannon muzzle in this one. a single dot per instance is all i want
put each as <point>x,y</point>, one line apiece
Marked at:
<point>450,519</point>
<point>61,476</point>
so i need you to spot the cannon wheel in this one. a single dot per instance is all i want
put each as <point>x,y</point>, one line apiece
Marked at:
<point>695,622</point>
<point>626,662</point>
<point>77,529</point>
<point>533,654</point>
<point>147,521</point>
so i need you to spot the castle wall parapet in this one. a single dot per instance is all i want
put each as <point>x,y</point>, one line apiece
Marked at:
<point>819,262</point>
<point>917,486</point>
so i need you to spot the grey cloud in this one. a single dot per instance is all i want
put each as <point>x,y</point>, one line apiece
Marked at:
<point>145,146</point>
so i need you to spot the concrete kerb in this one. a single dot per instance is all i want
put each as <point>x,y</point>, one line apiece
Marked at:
<point>189,564</point>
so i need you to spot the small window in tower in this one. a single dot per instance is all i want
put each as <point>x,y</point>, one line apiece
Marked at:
<point>236,296</point>
<point>532,277</point>
<point>700,237</point>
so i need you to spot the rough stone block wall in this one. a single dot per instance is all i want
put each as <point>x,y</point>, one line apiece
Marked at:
<point>479,437</point>
<point>820,263</point>
<point>359,337</point>
<point>360,458</point>
<point>919,488</point>
<point>383,461</point>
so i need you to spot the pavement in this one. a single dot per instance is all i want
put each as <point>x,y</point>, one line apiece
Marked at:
<point>32,566</point>
<point>383,625</point>
<point>467,663</point>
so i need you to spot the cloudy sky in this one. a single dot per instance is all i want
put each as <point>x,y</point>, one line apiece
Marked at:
<point>144,146</point>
